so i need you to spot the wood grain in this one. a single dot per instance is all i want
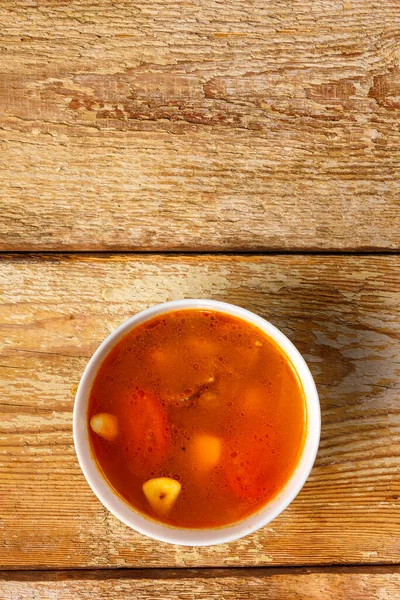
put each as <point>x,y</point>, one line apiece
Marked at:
<point>343,314</point>
<point>229,584</point>
<point>199,125</point>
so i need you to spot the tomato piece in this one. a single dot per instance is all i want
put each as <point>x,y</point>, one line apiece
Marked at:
<point>245,473</point>
<point>146,432</point>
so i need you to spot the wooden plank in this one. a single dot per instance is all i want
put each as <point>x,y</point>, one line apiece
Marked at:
<point>247,126</point>
<point>343,313</point>
<point>236,584</point>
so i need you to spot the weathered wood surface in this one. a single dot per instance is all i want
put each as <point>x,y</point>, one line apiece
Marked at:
<point>229,584</point>
<point>343,313</point>
<point>199,125</point>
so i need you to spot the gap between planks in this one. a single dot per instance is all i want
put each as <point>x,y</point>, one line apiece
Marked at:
<point>167,252</point>
<point>52,574</point>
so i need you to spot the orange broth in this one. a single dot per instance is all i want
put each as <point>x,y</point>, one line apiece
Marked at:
<point>208,400</point>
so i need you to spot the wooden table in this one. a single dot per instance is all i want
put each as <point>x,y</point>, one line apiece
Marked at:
<point>246,151</point>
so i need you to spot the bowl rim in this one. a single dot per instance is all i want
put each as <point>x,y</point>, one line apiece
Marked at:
<point>187,536</point>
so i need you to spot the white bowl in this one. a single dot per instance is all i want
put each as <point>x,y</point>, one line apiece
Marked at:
<point>184,536</point>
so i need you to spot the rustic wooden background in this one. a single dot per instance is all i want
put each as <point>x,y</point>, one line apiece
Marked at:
<point>246,151</point>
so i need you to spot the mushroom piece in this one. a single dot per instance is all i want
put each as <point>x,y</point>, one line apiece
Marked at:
<point>105,425</point>
<point>205,451</point>
<point>161,494</point>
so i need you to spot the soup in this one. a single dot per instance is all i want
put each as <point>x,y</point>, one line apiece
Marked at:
<point>196,418</point>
